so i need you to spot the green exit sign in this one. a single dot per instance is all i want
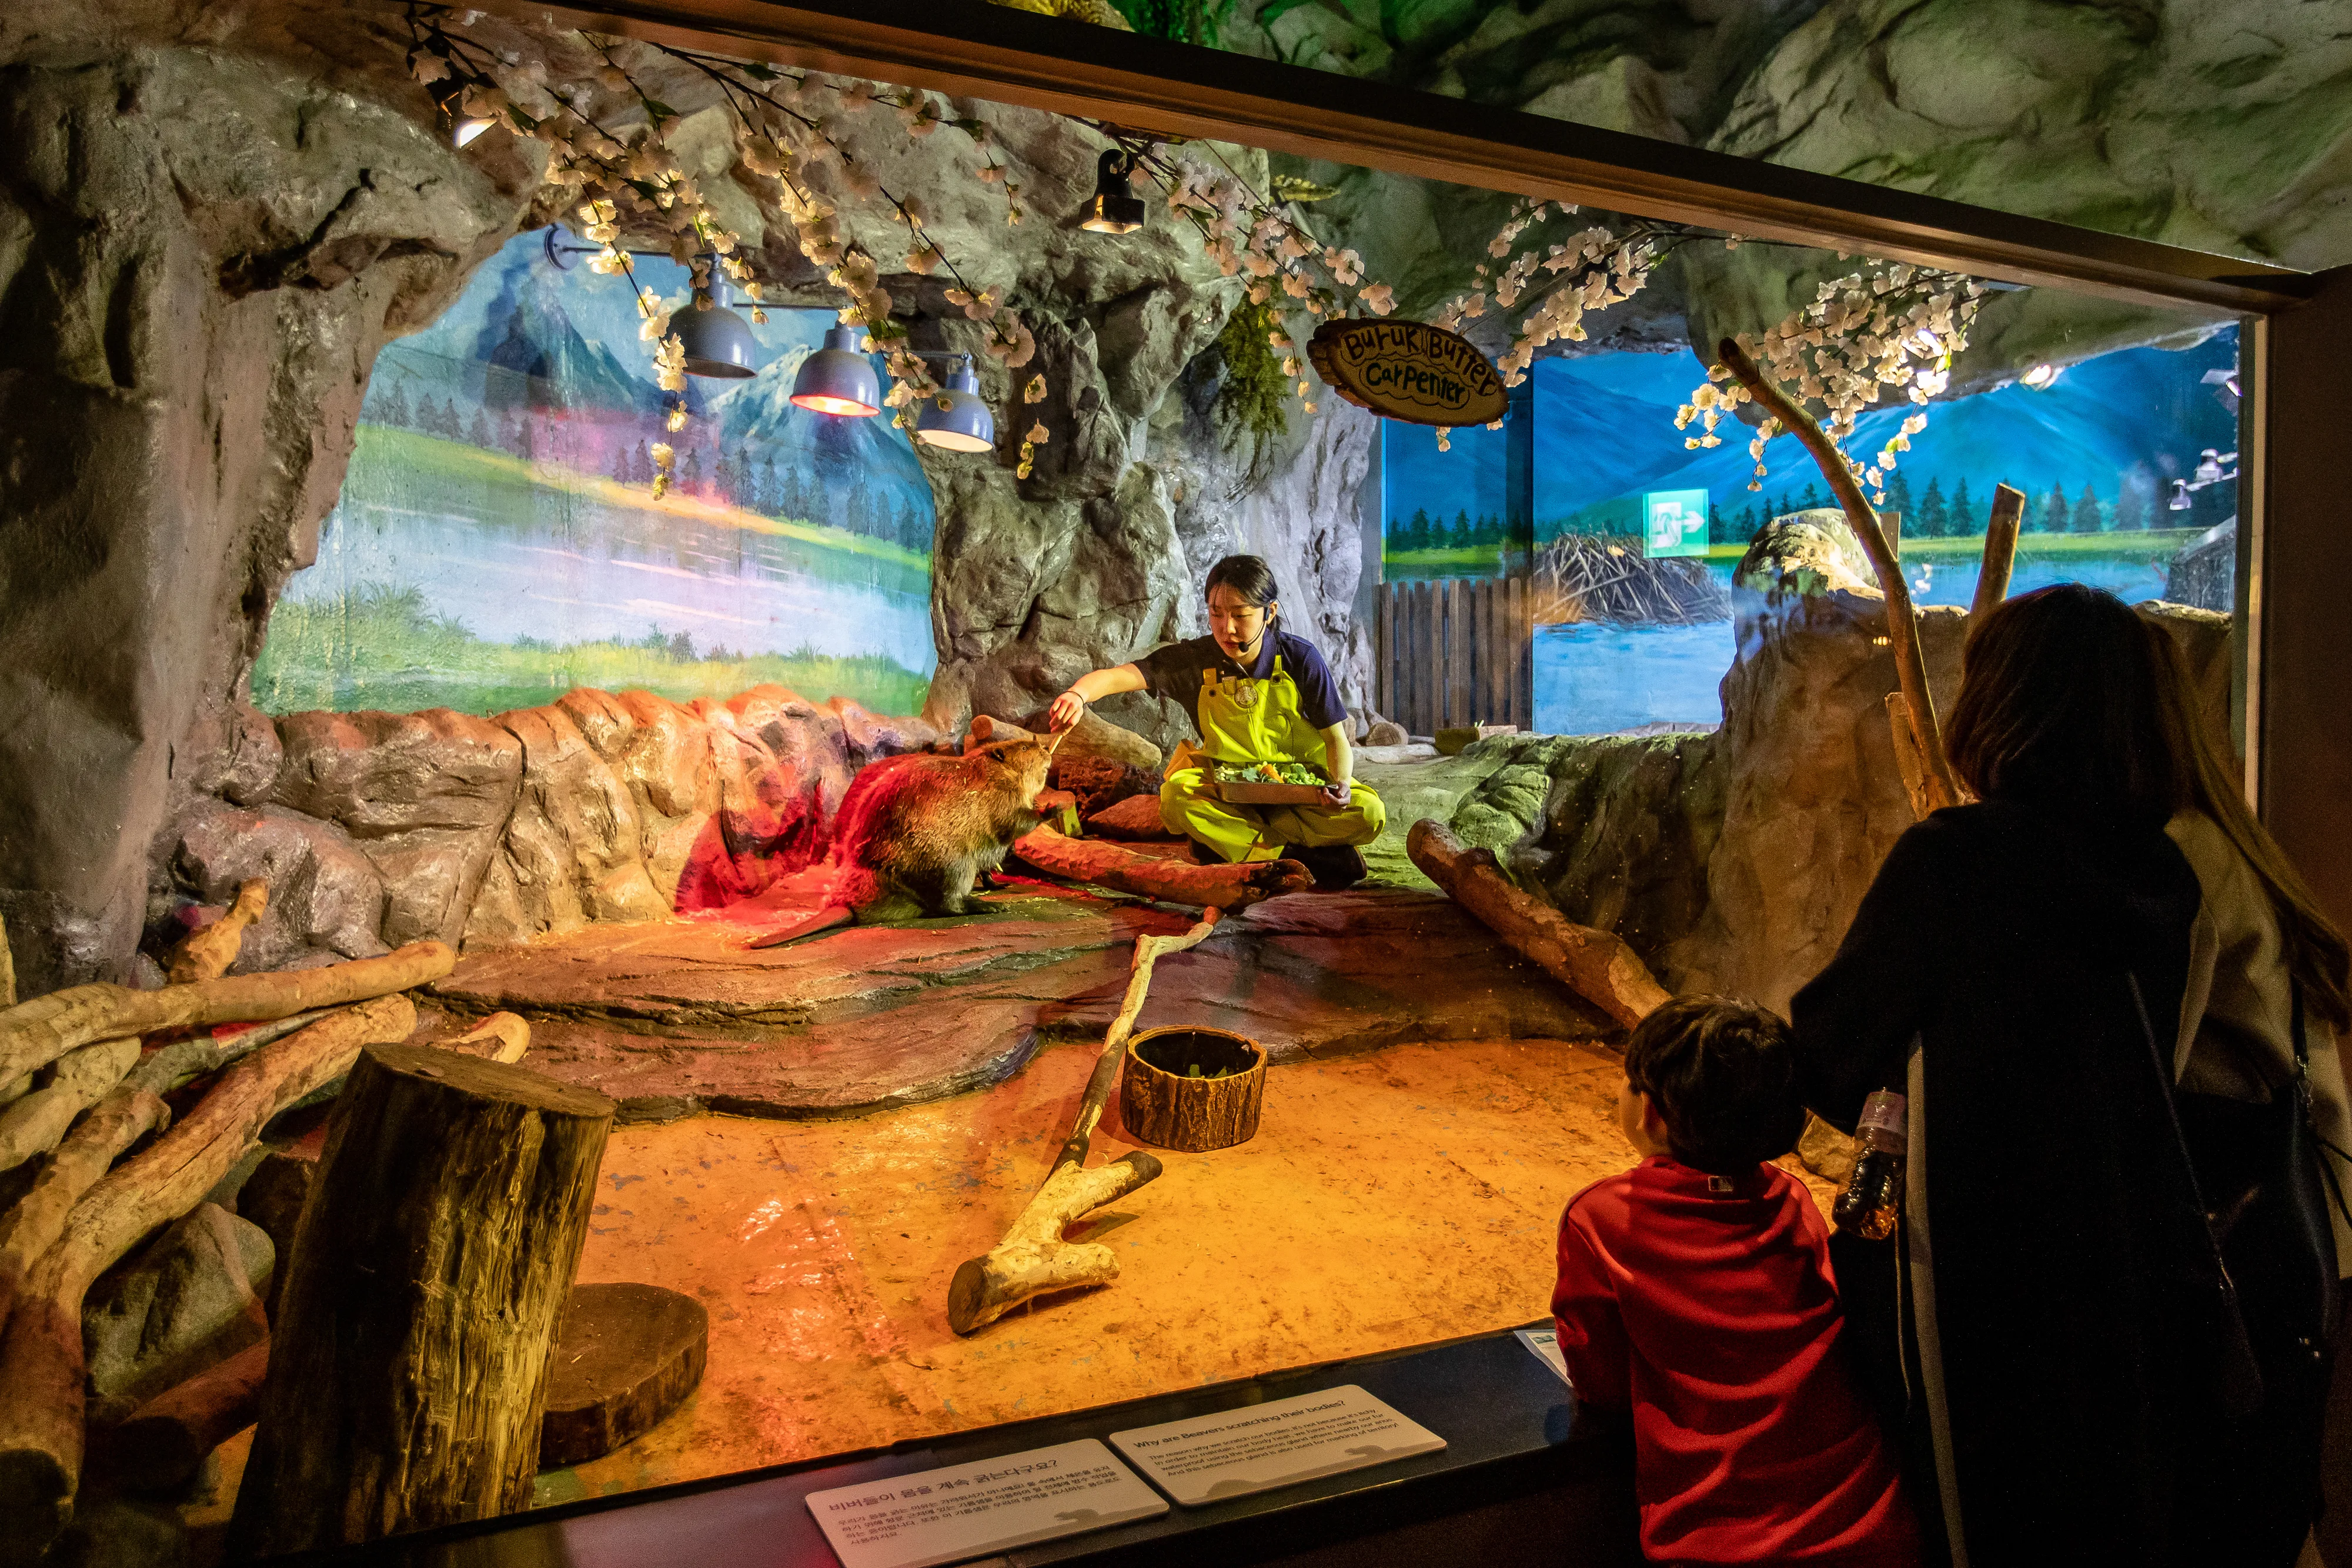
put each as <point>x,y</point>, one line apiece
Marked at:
<point>1674,522</point>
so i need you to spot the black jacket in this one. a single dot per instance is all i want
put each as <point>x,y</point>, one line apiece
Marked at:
<point>2063,1300</point>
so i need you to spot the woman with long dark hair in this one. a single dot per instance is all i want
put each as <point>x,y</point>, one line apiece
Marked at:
<point>2056,1332</point>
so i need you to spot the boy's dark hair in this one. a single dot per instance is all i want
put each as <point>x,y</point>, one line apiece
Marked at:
<point>1246,575</point>
<point>1723,1076</point>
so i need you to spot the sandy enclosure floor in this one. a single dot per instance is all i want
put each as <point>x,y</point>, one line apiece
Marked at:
<point>1388,1199</point>
<point>1391,1199</point>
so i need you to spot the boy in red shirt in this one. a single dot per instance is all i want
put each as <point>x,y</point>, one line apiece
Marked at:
<point>1695,1291</point>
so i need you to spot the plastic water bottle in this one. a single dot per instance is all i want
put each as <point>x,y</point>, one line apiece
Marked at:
<point>1873,1199</point>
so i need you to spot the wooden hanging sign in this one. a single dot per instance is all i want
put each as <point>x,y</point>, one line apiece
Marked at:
<point>1409,371</point>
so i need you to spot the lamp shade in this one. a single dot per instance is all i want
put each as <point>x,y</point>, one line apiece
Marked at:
<point>839,378</point>
<point>1115,208</point>
<point>718,343</point>
<point>956,418</point>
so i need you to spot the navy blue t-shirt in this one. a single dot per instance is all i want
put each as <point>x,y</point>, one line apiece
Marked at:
<point>1173,670</point>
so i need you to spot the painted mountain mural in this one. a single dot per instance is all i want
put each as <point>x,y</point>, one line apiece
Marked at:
<point>498,540</point>
<point>2122,426</point>
<point>2096,451</point>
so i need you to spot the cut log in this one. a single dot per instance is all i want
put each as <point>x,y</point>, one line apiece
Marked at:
<point>164,1443</point>
<point>1137,817</point>
<point>41,1409</point>
<point>33,1224</point>
<point>1902,620</point>
<point>184,1061</point>
<point>1169,1095</point>
<point>1092,737</point>
<point>77,1080</point>
<point>36,1033</point>
<point>442,1294</point>
<point>1233,886</point>
<point>2000,548</point>
<point>629,1355</point>
<point>1034,1258</point>
<point>1595,964</point>
<point>502,1037</point>
<point>206,954</point>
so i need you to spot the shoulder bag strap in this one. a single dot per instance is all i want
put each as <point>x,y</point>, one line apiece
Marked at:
<point>2237,1377</point>
<point>2302,1095</point>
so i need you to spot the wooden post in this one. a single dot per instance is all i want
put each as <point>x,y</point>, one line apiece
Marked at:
<point>1421,661</point>
<point>1385,682</point>
<point>1460,633</point>
<point>409,1365</point>
<point>1523,635</point>
<point>2000,548</point>
<point>1902,620</point>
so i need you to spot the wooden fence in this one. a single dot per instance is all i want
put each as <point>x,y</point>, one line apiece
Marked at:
<point>1457,653</point>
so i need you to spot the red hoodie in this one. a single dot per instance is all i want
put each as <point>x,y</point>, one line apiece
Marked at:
<point>1706,1305</point>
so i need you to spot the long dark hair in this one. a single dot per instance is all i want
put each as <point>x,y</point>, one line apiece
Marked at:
<point>2061,706</point>
<point>2069,698</point>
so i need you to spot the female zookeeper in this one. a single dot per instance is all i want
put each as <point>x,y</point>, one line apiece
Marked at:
<point>1256,695</point>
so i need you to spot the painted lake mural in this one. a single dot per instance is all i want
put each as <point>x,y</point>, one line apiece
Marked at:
<point>2096,451</point>
<point>498,541</point>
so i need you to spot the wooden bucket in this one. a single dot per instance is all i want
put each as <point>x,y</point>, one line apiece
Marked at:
<point>1175,1111</point>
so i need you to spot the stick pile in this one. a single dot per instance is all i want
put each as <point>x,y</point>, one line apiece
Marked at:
<point>1587,577</point>
<point>83,1090</point>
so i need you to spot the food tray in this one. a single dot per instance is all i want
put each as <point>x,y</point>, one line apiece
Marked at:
<point>1242,792</point>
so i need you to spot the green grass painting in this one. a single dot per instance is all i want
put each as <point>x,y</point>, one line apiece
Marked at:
<point>382,647</point>
<point>428,474</point>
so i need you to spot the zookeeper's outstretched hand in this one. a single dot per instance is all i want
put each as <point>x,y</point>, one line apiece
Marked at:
<point>1067,709</point>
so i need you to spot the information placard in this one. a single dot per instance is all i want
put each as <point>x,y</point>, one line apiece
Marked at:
<point>1260,1447</point>
<point>1544,1345</point>
<point>970,1511</point>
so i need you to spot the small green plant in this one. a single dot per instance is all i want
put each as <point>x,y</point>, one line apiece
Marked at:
<point>1256,389</point>
<point>1185,21</point>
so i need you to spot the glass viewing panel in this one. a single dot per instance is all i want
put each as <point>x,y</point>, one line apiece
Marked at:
<point>2108,452</point>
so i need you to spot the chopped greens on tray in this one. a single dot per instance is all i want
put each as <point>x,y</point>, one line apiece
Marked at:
<point>1268,773</point>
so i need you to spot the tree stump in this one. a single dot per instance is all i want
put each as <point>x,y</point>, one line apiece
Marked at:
<point>629,1355</point>
<point>1162,1103</point>
<point>423,1301</point>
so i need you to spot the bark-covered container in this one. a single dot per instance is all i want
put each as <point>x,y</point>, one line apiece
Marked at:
<point>1192,1089</point>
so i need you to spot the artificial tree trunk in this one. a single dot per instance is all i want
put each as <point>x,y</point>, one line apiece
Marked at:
<point>409,1364</point>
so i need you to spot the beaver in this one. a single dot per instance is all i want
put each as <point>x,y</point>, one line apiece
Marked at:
<point>915,832</point>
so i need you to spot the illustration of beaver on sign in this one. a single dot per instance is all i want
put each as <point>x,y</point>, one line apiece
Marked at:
<point>915,832</point>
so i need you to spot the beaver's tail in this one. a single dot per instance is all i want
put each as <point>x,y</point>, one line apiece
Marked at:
<point>809,923</point>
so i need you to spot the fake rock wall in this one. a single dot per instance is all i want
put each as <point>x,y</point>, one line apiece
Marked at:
<point>1734,861</point>
<point>200,254</point>
<point>379,829</point>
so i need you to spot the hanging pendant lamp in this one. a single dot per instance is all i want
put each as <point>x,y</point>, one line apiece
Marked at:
<point>717,341</point>
<point>1115,209</point>
<point>838,378</point>
<point>956,418</point>
<point>449,98</point>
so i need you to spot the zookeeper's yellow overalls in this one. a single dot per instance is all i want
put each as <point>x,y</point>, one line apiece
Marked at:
<point>1244,720</point>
